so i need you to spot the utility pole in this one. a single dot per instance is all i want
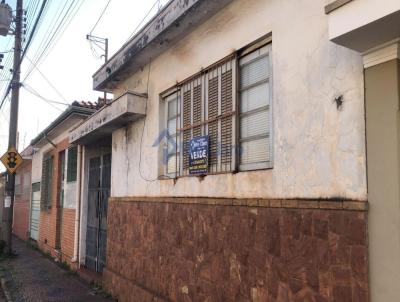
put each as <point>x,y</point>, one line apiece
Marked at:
<point>105,61</point>
<point>98,41</point>
<point>12,139</point>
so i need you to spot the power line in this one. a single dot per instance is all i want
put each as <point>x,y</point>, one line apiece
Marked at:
<point>157,2</point>
<point>49,34</point>
<point>101,15</point>
<point>47,80</point>
<point>62,26</point>
<point>49,102</point>
<point>27,45</point>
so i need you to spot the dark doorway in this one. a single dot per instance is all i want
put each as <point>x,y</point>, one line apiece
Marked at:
<point>98,194</point>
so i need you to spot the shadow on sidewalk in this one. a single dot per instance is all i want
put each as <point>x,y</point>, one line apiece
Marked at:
<point>32,277</point>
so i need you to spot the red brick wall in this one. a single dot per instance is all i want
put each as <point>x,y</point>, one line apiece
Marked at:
<point>193,252</point>
<point>67,234</point>
<point>56,217</point>
<point>22,203</point>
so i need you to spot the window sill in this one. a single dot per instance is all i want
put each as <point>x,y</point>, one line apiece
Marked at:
<point>164,177</point>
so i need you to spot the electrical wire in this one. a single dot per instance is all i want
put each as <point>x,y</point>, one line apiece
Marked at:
<point>101,15</point>
<point>63,25</point>
<point>48,81</point>
<point>144,126</point>
<point>145,17</point>
<point>49,102</point>
<point>49,36</point>
<point>142,135</point>
<point>27,46</point>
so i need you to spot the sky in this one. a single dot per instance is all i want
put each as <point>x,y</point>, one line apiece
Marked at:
<point>65,73</point>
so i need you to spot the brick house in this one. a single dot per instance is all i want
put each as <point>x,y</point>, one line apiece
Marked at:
<point>3,179</point>
<point>232,163</point>
<point>23,196</point>
<point>55,186</point>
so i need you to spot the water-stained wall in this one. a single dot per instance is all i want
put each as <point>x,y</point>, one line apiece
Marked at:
<point>319,151</point>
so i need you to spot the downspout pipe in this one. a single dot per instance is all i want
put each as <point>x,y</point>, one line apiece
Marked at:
<point>78,206</point>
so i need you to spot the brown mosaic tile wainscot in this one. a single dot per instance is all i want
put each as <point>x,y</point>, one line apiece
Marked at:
<point>199,249</point>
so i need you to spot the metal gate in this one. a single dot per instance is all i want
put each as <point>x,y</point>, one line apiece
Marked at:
<point>35,212</point>
<point>98,193</point>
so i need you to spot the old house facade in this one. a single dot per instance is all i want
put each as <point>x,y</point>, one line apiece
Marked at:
<point>3,181</point>
<point>278,211</point>
<point>23,196</point>
<point>54,220</point>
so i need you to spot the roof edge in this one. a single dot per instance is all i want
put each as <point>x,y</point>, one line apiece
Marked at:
<point>62,117</point>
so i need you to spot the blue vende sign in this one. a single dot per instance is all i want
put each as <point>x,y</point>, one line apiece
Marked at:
<point>198,155</point>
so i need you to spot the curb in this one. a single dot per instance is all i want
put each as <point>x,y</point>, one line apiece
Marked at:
<point>5,290</point>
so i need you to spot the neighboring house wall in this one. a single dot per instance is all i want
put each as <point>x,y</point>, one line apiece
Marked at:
<point>22,200</point>
<point>56,221</point>
<point>2,195</point>
<point>296,232</point>
<point>383,140</point>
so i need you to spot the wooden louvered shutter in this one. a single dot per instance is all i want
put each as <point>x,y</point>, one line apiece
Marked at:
<point>221,110</point>
<point>226,121</point>
<point>197,110</point>
<point>192,109</point>
<point>213,92</point>
<point>187,132</point>
<point>208,108</point>
<point>46,187</point>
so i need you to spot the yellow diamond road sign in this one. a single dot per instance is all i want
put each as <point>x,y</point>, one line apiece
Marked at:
<point>11,160</point>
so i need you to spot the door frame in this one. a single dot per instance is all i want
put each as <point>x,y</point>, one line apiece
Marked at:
<point>88,152</point>
<point>38,185</point>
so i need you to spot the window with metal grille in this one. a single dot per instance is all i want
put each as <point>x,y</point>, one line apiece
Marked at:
<point>203,105</point>
<point>47,177</point>
<point>206,105</point>
<point>72,164</point>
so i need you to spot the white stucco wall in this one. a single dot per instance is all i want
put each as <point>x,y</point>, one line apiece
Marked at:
<point>319,152</point>
<point>358,13</point>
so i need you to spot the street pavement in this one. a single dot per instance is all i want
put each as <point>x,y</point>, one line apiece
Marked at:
<point>35,278</point>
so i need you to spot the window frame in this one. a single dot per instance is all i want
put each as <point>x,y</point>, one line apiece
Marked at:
<point>18,184</point>
<point>236,100</point>
<point>62,177</point>
<point>177,135</point>
<point>71,177</point>
<point>26,185</point>
<point>46,198</point>
<point>247,51</point>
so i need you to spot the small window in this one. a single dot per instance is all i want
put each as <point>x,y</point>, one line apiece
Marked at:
<point>255,110</point>
<point>72,164</point>
<point>47,182</point>
<point>27,185</point>
<point>18,187</point>
<point>62,179</point>
<point>173,123</point>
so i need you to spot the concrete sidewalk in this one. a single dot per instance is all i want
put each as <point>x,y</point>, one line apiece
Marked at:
<point>31,277</point>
